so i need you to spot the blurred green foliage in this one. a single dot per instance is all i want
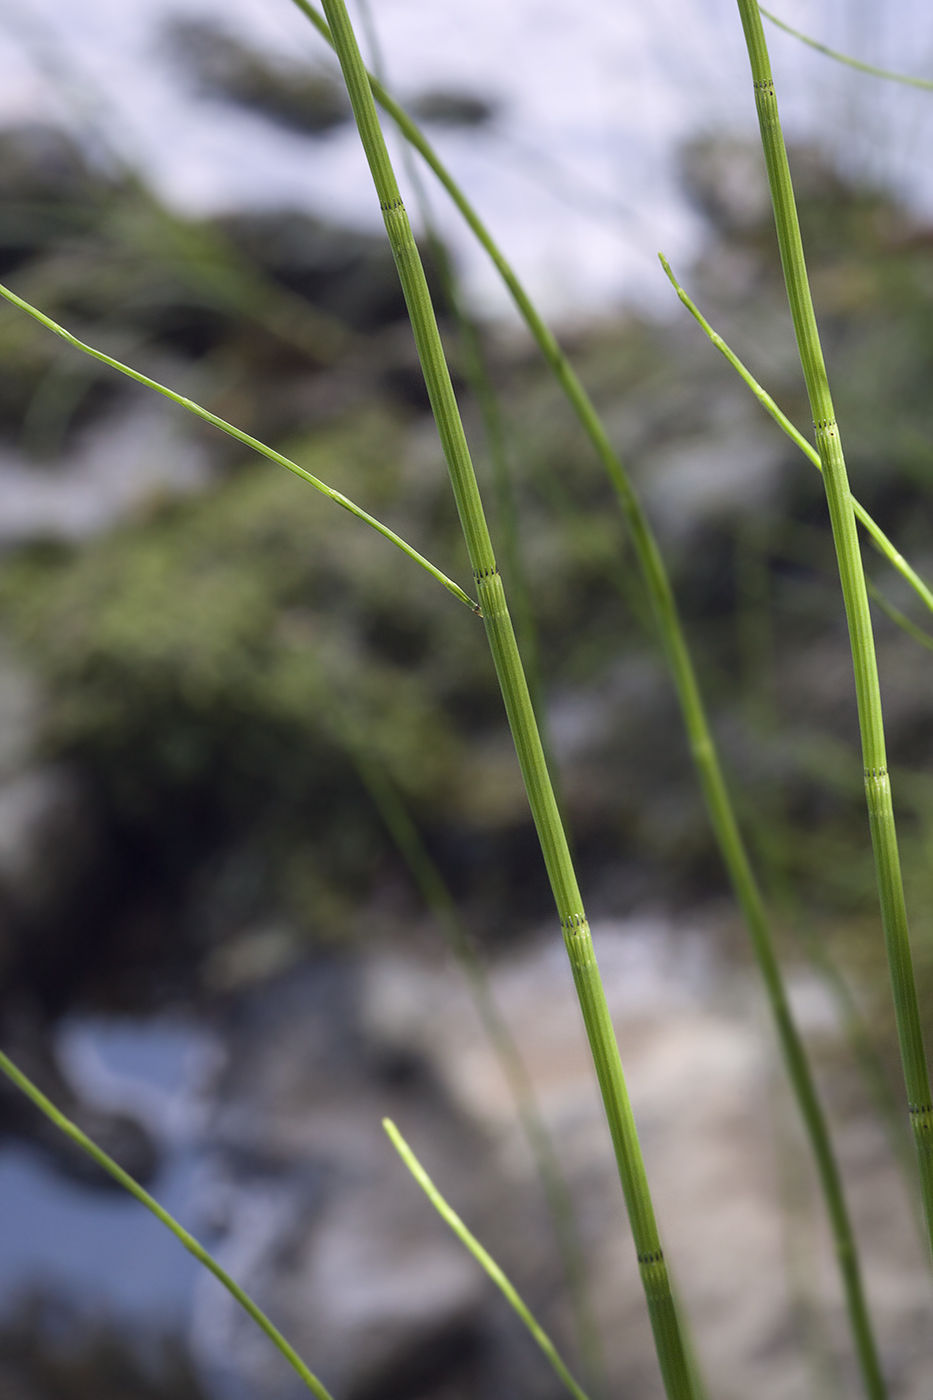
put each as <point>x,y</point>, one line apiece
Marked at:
<point>210,665</point>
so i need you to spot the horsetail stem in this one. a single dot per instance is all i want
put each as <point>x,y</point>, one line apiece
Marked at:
<point>891,553</point>
<point>869,68</point>
<point>439,899</point>
<point>483,1258</point>
<point>867,687</point>
<point>336,496</point>
<point>702,745</point>
<point>72,1131</point>
<point>501,635</point>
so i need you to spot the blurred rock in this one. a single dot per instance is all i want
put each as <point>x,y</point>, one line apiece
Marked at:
<point>316,1214</point>
<point>313,1212</point>
<point>292,95</point>
<point>52,1349</point>
<point>446,107</point>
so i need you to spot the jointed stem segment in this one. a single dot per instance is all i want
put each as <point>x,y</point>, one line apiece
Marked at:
<point>700,738</point>
<point>671,1353</point>
<point>867,687</point>
<point>885,546</point>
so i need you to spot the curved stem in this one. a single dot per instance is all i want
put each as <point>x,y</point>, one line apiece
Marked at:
<point>890,552</point>
<point>336,496</point>
<point>81,1139</point>
<point>857,63</point>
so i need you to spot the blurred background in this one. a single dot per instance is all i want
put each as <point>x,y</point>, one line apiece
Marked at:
<point>259,813</point>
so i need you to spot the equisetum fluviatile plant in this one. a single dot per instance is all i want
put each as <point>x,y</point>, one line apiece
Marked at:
<point>679,1381</point>
<point>702,745</point>
<point>490,592</point>
<point>855,595</point>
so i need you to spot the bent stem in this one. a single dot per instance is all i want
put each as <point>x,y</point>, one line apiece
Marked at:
<point>857,63</point>
<point>702,746</point>
<point>448,1214</point>
<point>501,635</point>
<point>867,687</point>
<point>336,496</point>
<point>81,1139</point>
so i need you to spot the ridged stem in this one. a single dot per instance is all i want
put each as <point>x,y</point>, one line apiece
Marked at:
<point>668,1340</point>
<point>867,686</point>
<point>884,545</point>
<point>702,746</point>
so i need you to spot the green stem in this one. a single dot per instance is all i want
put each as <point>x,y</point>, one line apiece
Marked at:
<point>702,746</point>
<point>336,496</point>
<point>767,402</point>
<point>869,68</point>
<point>867,687</point>
<point>521,717</point>
<point>437,897</point>
<point>482,1256</point>
<point>434,889</point>
<point>81,1139</point>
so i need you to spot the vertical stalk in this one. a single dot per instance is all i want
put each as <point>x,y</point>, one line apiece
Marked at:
<point>702,745</point>
<point>867,687</point>
<point>579,944</point>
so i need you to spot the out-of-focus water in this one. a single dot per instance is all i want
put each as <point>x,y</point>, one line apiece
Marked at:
<point>102,1246</point>
<point>578,174</point>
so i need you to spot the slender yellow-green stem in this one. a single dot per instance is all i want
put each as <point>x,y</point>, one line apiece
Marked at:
<point>437,896</point>
<point>869,68</point>
<point>867,688</point>
<point>386,797</point>
<point>702,746</point>
<point>501,635</point>
<point>885,546</point>
<point>72,1131</point>
<point>482,1256</point>
<point>336,496</point>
